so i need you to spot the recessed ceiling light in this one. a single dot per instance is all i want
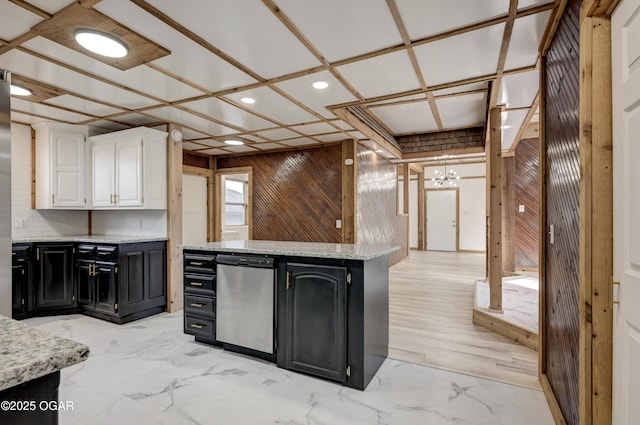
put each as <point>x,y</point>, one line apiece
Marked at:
<point>101,43</point>
<point>234,142</point>
<point>20,91</point>
<point>248,100</point>
<point>320,85</point>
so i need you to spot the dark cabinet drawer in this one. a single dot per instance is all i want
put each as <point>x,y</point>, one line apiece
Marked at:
<point>199,284</point>
<point>200,263</point>
<point>107,253</point>
<point>201,327</point>
<point>203,306</point>
<point>20,254</point>
<point>86,252</point>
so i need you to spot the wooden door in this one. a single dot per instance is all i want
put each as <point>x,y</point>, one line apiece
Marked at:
<point>128,186</point>
<point>68,177</point>
<point>442,220</point>
<point>625,28</point>
<point>316,308</point>
<point>103,168</point>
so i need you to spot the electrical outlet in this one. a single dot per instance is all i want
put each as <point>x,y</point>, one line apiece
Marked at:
<point>521,208</point>
<point>20,223</point>
<point>338,224</point>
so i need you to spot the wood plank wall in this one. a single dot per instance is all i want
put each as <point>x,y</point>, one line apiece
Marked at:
<point>527,188</point>
<point>378,222</point>
<point>297,195</point>
<point>562,156</point>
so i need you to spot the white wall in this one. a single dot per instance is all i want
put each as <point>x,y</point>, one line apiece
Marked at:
<point>130,222</point>
<point>37,222</point>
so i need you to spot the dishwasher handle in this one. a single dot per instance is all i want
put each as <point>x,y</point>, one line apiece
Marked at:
<point>245,261</point>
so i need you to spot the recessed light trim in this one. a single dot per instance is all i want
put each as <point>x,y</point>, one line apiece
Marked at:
<point>101,43</point>
<point>247,100</point>
<point>320,85</point>
<point>233,142</point>
<point>20,91</point>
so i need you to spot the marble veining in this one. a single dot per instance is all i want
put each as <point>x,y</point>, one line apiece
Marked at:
<point>299,249</point>
<point>113,239</point>
<point>153,373</point>
<point>27,353</point>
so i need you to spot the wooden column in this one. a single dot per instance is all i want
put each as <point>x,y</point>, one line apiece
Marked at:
<point>494,197</point>
<point>174,222</point>
<point>406,184</point>
<point>211,205</point>
<point>349,200</point>
<point>421,211</point>
<point>508,214</point>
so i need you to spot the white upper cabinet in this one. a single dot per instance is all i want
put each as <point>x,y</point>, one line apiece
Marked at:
<point>129,169</point>
<point>61,166</point>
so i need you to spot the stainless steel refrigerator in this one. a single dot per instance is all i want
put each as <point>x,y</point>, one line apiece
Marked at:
<point>5,193</point>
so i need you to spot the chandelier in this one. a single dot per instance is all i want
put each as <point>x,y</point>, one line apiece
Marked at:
<point>446,178</point>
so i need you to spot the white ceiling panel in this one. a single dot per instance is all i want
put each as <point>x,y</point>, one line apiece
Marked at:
<point>135,119</point>
<point>26,119</point>
<point>460,89</point>
<point>15,21</point>
<point>247,31</point>
<point>358,135</point>
<point>248,137</point>
<point>463,111</point>
<point>382,75</point>
<point>51,6</point>
<point>299,142</point>
<point>334,137</point>
<point>407,118</point>
<point>271,104</point>
<point>46,111</point>
<point>264,146</point>
<point>349,35</point>
<point>525,4</point>
<point>315,128</point>
<point>47,72</point>
<point>211,143</point>
<point>189,146</point>
<point>318,100</point>
<point>143,78</point>
<point>213,152</point>
<point>519,90</point>
<point>171,114</point>
<point>511,123</point>
<point>103,126</point>
<point>420,96</point>
<point>243,148</point>
<point>83,106</point>
<point>525,39</point>
<point>212,72</point>
<point>188,134</point>
<point>278,134</point>
<point>425,18</point>
<point>467,55</point>
<point>228,113</point>
<point>343,125</point>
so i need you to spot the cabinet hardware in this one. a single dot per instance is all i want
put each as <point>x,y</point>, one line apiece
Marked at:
<point>73,298</point>
<point>20,260</point>
<point>85,200</point>
<point>195,283</point>
<point>38,254</point>
<point>115,198</point>
<point>348,370</point>
<point>611,284</point>
<point>73,250</point>
<point>92,269</point>
<point>82,251</point>
<point>111,198</point>
<point>198,305</point>
<point>22,272</point>
<point>13,253</point>
<point>116,270</point>
<point>115,307</point>
<point>349,278</point>
<point>197,326</point>
<point>195,263</point>
<point>288,279</point>
<point>53,199</point>
<point>23,301</point>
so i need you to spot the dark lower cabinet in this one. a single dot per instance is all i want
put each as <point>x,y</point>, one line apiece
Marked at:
<point>54,286</point>
<point>316,310</point>
<point>200,296</point>
<point>21,280</point>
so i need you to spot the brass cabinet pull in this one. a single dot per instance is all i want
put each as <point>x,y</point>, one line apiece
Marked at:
<point>195,263</point>
<point>195,283</point>
<point>83,251</point>
<point>111,198</point>
<point>198,305</point>
<point>197,326</point>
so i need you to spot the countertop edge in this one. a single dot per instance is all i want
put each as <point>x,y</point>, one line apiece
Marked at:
<point>110,239</point>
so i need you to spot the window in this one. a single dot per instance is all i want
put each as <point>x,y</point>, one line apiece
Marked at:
<point>235,202</point>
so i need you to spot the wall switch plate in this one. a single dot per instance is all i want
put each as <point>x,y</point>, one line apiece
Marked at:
<point>20,223</point>
<point>338,224</point>
<point>521,208</point>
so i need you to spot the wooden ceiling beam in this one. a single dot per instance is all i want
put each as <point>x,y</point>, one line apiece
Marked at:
<point>525,123</point>
<point>31,8</point>
<point>351,119</point>
<point>423,155</point>
<point>598,8</point>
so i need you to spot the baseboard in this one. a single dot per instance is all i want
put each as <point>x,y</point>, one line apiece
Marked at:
<point>471,251</point>
<point>513,332</point>
<point>552,401</point>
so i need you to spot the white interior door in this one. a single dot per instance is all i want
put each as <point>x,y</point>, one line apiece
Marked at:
<point>442,225</point>
<point>194,209</point>
<point>625,28</point>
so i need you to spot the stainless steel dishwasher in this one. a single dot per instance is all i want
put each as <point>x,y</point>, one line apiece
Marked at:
<point>245,301</point>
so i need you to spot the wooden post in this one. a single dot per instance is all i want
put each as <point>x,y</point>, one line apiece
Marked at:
<point>494,194</point>
<point>211,205</point>
<point>421,211</point>
<point>174,222</point>
<point>508,214</point>
<point>349,178</point>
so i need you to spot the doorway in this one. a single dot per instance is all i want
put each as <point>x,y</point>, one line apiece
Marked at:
<point>442,219</point>
<point>234,206</point>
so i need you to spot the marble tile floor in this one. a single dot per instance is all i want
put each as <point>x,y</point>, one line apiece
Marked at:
<point>149,372</point>
<point>519,301</point>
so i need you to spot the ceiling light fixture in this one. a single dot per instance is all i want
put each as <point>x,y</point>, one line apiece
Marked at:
<point>248,100</point>
<point>101,43</point>
<point>20,91</point>
<point>445,179</point>
<point>234,142</point>
<point>320,85</point>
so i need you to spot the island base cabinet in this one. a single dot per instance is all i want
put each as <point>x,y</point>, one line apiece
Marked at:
<point>40,396</point>
<point>315,324</point>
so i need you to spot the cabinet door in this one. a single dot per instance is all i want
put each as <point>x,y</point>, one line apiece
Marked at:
<point>129,173</point>
<point>316,320</point>
<point>85,283</point>
<point>106,295</point>
<point>103,162</point>
<point>19,274</point>
<point>55,288</point>
<point>67,170</point>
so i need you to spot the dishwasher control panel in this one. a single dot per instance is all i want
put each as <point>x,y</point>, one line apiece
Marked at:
<point>246,261</point>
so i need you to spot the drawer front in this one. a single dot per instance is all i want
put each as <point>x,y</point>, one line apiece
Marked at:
<point>202,306</point>
<point>106,253</point>
<point>20,253</point>
<point>86,252</point>
<point>202,284</point>
<point>200,327</point>
<point>201,263</point>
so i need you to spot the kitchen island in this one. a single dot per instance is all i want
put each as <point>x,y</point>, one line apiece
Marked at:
<point>315,308</point>
<point>30,364</point>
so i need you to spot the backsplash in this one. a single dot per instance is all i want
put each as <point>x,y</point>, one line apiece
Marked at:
<point>129,222</point>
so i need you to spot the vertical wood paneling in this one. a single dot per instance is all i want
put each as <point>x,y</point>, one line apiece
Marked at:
<point>377,221</point>
<point>562,156</point>
<point>527,193</point>
<point>297,195</point>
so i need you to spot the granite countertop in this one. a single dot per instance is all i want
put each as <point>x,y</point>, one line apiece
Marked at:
<point>27,353</point>
<point>113,239</point>
<point>299,249</point>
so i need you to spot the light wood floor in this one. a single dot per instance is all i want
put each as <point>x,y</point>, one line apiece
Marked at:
<point>430,315</point>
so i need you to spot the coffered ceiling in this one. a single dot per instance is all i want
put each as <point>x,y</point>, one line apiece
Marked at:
<point>412,66</point>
